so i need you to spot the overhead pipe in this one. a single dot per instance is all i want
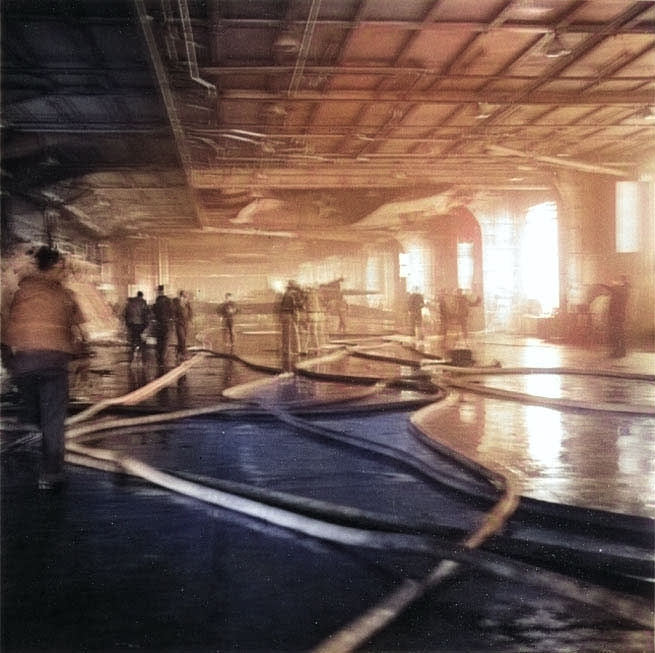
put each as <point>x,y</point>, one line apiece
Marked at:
<point>164,86</point>
<point>304,47</point>
<point>576,165</point>
<point>192,61</point>
<point>169,101</point>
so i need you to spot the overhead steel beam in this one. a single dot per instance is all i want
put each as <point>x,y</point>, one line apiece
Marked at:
<point>646,26</point>
<point>398,176</point>
<point>40,127</point>
<point>609,98</point>
<point>432,73</point>
<point>190,45</point>
<point>163,82</point>
<point>167,96</point>
<point>551,160</point>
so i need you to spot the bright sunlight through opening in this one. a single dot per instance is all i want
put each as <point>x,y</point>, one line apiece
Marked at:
<point>539,257</point>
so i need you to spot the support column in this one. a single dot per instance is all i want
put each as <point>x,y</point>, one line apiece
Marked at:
<point>163,273</point>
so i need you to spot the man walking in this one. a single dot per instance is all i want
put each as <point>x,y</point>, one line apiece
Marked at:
<point>227,310</point>
<point>43,332</point>
<point>162,311</point>
<point>136,320</point>
<point>182,316</point>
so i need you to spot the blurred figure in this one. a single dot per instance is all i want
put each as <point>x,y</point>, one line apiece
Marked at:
<point>136,316</point>
<point>182,317</point>
<point>162,311</point>
<point>136,377</point>
<point>302,320</point>
<point>342,311</point>
<point>14,268</point>
<point>289,310</point>
<point>462,313</point>
<point>415,304</point>
<point>444,315</point>
<point>44,332</point>
<point>227,310</point>
<point>314,320</point>
<point>333,299</point>
<point>618,292</point>
<point>228,372</point>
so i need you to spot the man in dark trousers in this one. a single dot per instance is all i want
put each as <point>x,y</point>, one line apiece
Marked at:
<point>136,320</point>
<point>227,310</point>
<point>162,311</point>
<point>182,317</point>
<point>289,309</point>
<point>415,304</point>
<point>444,316</point>
<point>43,333</point>
<point>618,292</point>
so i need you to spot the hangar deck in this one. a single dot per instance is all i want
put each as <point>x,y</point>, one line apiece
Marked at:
<point>235,506</point>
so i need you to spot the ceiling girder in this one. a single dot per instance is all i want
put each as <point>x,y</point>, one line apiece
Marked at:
<point>527,27</point>
<point>626,98</point>
<point>176,91</point>
<point>355,176</point>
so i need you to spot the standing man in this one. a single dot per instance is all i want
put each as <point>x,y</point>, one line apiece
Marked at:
<point>444,316</point>
<point>43,332</point>
<point>182,316</point>
<point>618,292</point>
<point>162,311</point>
<point>227,310</point>
<point>314,320</point>
<point>415,304</point>
<point>463,304</point>
<point>289,310</point>
<point>136,320</point>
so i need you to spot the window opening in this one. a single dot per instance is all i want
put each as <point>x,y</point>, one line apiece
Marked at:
<point>540,258</point>
<point>465,266</point>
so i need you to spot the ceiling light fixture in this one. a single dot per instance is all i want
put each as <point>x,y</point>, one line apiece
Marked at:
<point>646,113</point>
<point>287,44</point>
<point>556,48</point>
<point>484,110</point>
<point>236,137</point>
<point>273,111</point>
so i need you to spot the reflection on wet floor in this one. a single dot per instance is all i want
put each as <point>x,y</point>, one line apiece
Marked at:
<point>584,388</point>
<point>602,461</point>
<point>112,376</point>
<point>596,459</point>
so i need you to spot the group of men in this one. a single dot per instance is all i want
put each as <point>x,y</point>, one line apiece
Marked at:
<point>166,314</point>
<point>300,311</point>
<point>453,309</point>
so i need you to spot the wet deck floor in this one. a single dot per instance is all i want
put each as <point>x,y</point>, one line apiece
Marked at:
<point>581,435</point>
<point>116,564</point>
